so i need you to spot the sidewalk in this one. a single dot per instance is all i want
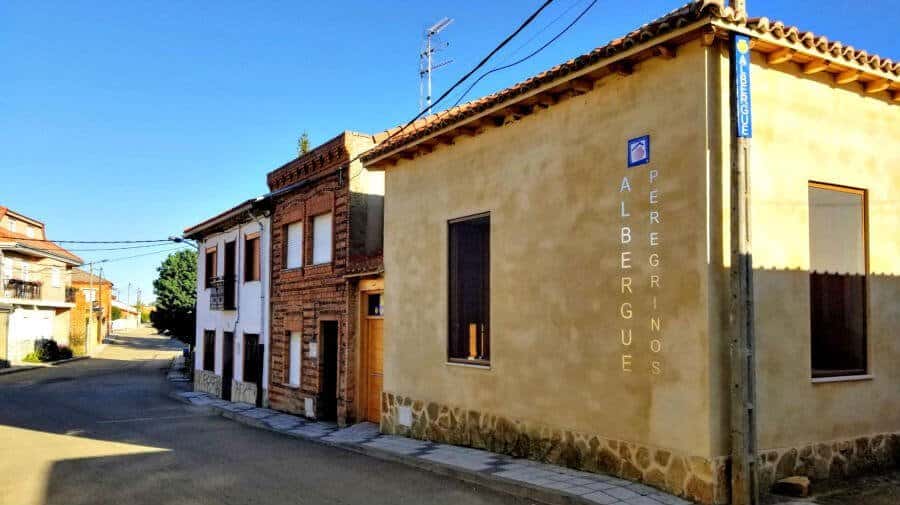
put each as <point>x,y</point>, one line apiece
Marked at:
<point>520,477</point>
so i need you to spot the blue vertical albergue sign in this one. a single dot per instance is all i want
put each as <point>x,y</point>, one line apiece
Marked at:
<point>741,52</point>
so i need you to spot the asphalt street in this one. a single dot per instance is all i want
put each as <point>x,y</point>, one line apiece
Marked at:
<point>104,431</point>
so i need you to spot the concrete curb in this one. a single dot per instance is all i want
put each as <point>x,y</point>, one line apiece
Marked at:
<point>64,361</point>
<point>17,369</point>
<point>499,484</point>
<point>34,366</point>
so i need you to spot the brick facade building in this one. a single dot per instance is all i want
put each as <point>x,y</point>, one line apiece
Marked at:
<point>87,329</point>
<point>326,260</point>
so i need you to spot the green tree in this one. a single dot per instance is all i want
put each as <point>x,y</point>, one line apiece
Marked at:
<point>176,295</point>
<point>303,144</point>
<point>116,313</point>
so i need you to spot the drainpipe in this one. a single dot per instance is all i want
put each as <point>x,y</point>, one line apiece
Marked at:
<point>744,483</point>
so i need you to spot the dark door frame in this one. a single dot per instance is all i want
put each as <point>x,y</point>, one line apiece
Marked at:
<point>227,364</point>
<point>330,366</point>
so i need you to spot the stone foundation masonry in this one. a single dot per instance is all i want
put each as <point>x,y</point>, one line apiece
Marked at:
<point>835,459</point>
<point>696,478</point>
<point>208,382</point>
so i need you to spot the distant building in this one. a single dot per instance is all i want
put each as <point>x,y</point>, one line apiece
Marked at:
<point>129,317</point>
<point>232,339</point>
<point>91,316</point>
<point>36,300</point>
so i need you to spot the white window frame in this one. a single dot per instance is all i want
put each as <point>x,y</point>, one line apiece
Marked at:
<point>294,245</point>
<point>26,271</point>
<point>11,224</point>
<point>323,239</point>
<point>7,268</point>
<point>55,277</point>
<point>29,231</point>
<point>295,364</point>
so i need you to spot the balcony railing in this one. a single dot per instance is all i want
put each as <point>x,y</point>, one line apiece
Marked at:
<point>25,290</point>
<point>222,291</point>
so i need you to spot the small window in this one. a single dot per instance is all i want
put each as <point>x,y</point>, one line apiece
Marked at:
<point>211,265</point>
<point>322,239</point>
<point>29,231</point>
<point>55,277</point>
<point>293,250</point>
<point>295,364</point>
<point>89,295</point>
<point>12,224</point>
<point>209,350</point>
<point>251,258</point>
<point>837,280</point>
<point>26,272</point>
<point>252,358</point>
<point>7,268</point>
<point>469,290</point>
<point>375,305</point>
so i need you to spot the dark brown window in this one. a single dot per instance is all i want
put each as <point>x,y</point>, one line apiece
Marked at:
<point>837,279</point>
<point>469,296</point>
<point>251,258</point>
<point>209,350</point>
<point>252,358</point>
<point>210,271</point>
<point>229,279</point>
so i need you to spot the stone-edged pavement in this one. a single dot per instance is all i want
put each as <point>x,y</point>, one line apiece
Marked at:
<point>519,477</point>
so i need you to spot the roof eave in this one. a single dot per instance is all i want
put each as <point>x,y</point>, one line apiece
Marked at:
<point>379,161</point>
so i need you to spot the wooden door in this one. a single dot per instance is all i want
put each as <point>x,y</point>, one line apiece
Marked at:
<point>374,368</point>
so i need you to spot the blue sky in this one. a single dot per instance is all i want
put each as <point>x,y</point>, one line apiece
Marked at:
<point>133,120</point>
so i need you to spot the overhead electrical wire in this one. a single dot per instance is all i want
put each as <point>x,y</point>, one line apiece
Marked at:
<point>91,241</point>
<point>528,56</point>
<point>462,79</point>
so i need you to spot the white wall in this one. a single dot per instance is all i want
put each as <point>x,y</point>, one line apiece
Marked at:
<point>252,315</point>
<point>26,326</point>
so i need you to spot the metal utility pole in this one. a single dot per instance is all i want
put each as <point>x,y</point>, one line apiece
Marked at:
<point>426,66</point>
<point>744,482</point>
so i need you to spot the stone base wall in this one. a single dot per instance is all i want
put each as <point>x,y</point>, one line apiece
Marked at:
<point>696,478</point>
<point>246,392</point>
<point>208,382</point>
<point>835,459</point>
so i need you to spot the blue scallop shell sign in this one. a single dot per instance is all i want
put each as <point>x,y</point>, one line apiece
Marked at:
<point>639,151</point>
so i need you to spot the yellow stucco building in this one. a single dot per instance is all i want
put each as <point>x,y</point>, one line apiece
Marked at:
<point>557,256</point>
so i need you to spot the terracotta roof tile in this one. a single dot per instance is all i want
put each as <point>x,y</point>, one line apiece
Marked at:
<point>687,14</point>
<point>50,247</point>
<point>820,43</point>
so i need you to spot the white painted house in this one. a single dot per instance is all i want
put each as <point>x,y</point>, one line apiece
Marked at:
<point>232,334</point>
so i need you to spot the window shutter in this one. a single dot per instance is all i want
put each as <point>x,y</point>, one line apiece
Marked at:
<point>296,346</point>
<point>322,243</point>
<point>294,250</point>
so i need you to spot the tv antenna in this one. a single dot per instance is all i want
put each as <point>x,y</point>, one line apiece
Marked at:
<point>426,66</point>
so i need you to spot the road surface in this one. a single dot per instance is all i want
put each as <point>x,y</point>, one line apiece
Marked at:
<point>104,431</point>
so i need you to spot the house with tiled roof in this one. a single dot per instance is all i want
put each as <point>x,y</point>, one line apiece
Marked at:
<point>562,258</point>
<point>92,315</point>
<point>327,283</point>
<point>35,280</point>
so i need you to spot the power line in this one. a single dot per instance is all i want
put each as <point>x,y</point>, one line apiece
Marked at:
<point>90,241</point>
<point>462,79</point>
<point>527,57</point>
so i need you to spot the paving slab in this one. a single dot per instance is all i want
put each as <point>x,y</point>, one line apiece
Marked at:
<point>532,480</point>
